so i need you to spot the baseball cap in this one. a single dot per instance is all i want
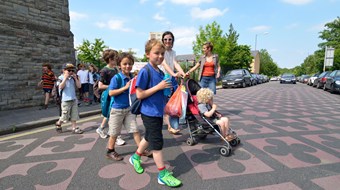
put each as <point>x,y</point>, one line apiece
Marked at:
<point>68,66</point>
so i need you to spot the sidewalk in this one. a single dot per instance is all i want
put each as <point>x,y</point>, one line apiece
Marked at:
<point>27,118</point>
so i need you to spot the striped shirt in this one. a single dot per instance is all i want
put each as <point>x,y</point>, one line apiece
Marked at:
<point>48,79</point>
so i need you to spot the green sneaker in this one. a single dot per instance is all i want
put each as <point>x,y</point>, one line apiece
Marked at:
<point>136,164</point>
<point>169,180</point>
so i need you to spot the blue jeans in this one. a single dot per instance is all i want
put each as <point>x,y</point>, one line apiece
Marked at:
<point>174,122</point>
<point>208,82</point>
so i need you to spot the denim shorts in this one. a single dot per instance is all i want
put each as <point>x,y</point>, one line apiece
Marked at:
<point>208,82</point>
<point>84,87</point>
<point>153,131</point>
<point>47,90</point>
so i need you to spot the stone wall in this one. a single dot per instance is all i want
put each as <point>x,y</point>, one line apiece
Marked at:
<point>32,32</point>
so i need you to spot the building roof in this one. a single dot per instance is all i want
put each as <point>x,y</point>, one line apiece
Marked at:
<point>185,57</point>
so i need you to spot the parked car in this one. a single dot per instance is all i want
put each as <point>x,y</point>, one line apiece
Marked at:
<point>312,78</point>
<point>288,78</point>
<point>236,78</point>
<point>304,78</point>
<point>257,78</point>
<point>253,79</point>
<point>321,80</point>
<point>333,82</point>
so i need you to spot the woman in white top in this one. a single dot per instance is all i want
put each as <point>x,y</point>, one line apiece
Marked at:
<point>168,66</point>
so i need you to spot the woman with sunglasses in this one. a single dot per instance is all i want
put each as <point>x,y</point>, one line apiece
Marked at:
<point>168,66</point>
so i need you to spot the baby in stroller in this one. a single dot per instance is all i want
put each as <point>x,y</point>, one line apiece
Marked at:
<point>208,109</point>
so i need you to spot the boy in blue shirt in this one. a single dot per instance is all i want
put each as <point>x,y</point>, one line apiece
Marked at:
<point>120,110</point>
<point>152,110</point>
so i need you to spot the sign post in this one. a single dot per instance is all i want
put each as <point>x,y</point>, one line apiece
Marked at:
<point>329,57</point>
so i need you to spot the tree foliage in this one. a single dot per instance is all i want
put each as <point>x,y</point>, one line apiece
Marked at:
<point>91,52</point>
<point>232,55</point>
<point>268,66</point>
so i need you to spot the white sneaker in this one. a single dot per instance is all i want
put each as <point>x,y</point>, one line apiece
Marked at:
<point>120,141</point>
<point>101,133</point>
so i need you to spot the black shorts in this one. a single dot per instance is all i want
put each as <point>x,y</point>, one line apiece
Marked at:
<point>153,131</point>
<point>85,87</point>
<point>47,90</point>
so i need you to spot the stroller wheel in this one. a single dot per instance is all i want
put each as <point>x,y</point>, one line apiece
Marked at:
<point>233,142</point>
<point>225,150</point>
<point>238,140</point>
<point>191,141</point>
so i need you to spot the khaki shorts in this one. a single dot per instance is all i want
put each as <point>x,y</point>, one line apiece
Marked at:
<point>69,111</point>
<point>120,117</point>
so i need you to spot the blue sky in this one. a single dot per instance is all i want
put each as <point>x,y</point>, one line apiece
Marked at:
<point>287,29</point>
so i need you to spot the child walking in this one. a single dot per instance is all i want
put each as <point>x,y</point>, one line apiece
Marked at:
<point>207,107</point>
<point>120,111</point>
<point>152,110</point>
<point>68,82</point>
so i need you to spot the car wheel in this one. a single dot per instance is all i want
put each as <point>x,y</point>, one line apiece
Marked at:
<point>244,84</point>
<point>318,85</point>
<point>324,87</point>
<point>332,89</point>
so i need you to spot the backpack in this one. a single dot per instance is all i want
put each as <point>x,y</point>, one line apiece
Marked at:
<point>106,100</point>
<point>136,103</point>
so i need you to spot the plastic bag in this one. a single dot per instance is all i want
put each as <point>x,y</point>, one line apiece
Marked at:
<point>174,106</point>
<point>184,105</point>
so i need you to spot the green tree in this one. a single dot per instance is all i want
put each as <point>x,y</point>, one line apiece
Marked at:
<point>268,66</point>
<point>331,35</point>
<point>91,52</point>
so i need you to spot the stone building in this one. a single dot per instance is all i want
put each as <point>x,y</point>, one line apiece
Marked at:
<point>32,32</point>
<point>255,64</point>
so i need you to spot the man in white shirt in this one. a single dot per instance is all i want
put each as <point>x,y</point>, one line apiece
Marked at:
<point>84,80</point>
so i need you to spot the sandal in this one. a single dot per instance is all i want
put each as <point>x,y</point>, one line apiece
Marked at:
<point>58,127</point>
<point>173,131</point>
<point>230,137</point>
<point>77,131</point>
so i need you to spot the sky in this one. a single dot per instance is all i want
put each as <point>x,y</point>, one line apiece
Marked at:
<point>288,29</point>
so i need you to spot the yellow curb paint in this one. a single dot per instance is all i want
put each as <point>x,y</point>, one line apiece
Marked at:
<point>46,129</point>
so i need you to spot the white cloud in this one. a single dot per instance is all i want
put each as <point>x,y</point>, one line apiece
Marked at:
<point>114,25</point>
<point>261,28</point>
<point>184,36</point>
<point>206,14</point>
<point>190,2</point>
<point>160,3</point>
<point>77,16</point>
<point>297,2</point>
<point>158,17</point>
<point>142,1</point>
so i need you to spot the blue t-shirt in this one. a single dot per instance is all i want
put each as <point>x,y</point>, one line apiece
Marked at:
<point>121,101</point>
<point>69,91</point>
<point>153,105</point>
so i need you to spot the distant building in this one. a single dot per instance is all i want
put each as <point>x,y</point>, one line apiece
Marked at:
<point>155,35</point>
<point>255,64</point>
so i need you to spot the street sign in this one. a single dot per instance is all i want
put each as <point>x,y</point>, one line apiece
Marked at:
<point>329,57</point>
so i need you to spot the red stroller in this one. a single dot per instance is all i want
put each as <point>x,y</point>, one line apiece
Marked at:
<point>199,126</point>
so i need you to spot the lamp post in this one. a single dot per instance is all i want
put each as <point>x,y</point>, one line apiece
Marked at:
<point>265,33</point>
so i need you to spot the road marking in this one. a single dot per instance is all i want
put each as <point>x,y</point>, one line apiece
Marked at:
<point>33,131</point>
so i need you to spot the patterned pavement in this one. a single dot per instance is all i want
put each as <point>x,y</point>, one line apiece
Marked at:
<point>290,139</point>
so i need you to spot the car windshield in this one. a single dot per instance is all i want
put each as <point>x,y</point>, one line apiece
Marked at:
<point>287,75</point>
<point>235,72</point>
<point>337,74</point>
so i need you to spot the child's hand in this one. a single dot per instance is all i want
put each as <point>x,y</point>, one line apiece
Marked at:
<point>127,85</point>
<point>164,84</point>
<point>214,106</point>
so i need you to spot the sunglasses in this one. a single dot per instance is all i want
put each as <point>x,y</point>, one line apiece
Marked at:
<point>167,39</point>
<point>70,70</point>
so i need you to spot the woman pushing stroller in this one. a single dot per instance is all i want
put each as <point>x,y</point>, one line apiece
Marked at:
<point>208,109</point>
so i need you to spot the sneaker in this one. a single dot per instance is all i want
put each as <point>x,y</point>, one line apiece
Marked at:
<point>114,156</point>
<point>169,180</point>
<point>136,164</point>
<point>77,131</point>
<point>120,141</point>
<point>101,133</point>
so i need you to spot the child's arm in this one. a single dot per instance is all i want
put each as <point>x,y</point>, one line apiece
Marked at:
<point>211,112</point>
<point>141,94</point>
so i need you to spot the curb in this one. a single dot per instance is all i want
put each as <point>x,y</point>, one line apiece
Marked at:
<point>36,124</point>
